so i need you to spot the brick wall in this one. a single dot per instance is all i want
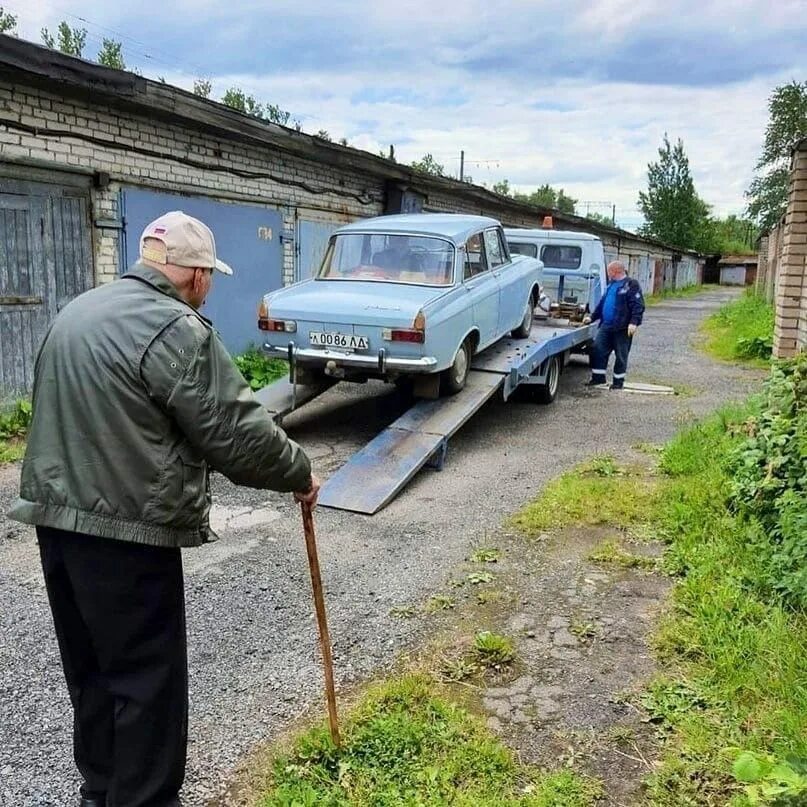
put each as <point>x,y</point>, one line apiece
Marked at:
<point>790,329</point>
<point>137,150</point>
<point>156,160</point>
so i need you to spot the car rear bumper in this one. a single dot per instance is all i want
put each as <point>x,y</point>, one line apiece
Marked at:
<point>379,362</point>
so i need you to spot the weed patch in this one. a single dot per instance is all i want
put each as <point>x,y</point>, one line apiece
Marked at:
<point>732,705</point>
<point>405,745</point>
<point>493,649</point>
<point>741,330</point>
<point>485,554</point>
<point>258,369</point>
<point>611,553</point>
<point>14,426</point>
<point>598,492</point>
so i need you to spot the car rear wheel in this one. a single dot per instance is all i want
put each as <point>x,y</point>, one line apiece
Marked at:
<point>455,377</point>
<point>523,330</point>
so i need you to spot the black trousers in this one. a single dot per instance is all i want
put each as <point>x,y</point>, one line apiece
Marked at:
<point>606,342</point>
<point>119,613</point>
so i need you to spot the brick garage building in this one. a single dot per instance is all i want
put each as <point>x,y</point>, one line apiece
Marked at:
<point>89,155</point>
<point>782,275</point>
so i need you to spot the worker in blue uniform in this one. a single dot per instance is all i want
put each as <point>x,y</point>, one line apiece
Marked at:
<point>619,313</point>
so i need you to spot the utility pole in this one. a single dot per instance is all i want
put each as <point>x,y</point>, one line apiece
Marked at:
<point>613,215</point>
<point>462,166</point>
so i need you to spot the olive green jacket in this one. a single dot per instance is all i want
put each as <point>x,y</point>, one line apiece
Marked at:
<point>135,398</point>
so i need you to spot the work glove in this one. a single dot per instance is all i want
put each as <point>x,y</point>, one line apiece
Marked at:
<point>632,329</point>
<point>587,319</point>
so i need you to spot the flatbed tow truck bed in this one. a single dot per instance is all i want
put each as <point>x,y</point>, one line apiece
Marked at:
<point>375,474</point>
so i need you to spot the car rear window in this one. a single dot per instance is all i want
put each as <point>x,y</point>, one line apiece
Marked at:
<point>421,260</point>
<point>517,248</point>
<point>560,256</point>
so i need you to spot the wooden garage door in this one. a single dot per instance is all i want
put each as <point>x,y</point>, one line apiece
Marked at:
<point>45,261</point>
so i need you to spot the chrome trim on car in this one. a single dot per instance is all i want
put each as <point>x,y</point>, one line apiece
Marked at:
<point>369,361</point>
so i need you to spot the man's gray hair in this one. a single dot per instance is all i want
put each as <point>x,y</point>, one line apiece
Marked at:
<point>618,266</point>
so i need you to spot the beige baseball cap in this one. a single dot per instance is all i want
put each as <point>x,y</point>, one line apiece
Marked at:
<point>188,242</point>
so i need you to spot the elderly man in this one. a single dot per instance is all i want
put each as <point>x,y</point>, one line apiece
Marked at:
<point>619,312</point>
<point>135,398</point>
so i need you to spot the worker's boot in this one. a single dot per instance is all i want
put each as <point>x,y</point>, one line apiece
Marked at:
<point>596,381</point>
<point>618,384</point>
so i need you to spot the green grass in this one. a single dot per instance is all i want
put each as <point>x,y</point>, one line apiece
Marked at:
<point>14,424</point>
<point>742,330</point>
<point>406,746</point>
<point>679,294</point>
<point>493,649</point>
<point>598,492</point>
<point>735,663</point>
<point>611,553</point>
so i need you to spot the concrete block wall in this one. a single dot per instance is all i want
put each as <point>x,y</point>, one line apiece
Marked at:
<point>790,329</point>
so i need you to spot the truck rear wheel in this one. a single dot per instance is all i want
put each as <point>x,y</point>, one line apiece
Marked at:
<point>547,392</point>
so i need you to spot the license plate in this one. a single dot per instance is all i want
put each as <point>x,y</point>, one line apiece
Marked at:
<point>345,341</point>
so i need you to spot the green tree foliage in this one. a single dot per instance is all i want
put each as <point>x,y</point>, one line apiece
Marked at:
<point>547,196</point>
<point>787,123</point>
<point>428,165</point>
<point>543,196</point>
<point>600,218</point>
<point>324,134</point>
<point>735,235</point>
<point>236,98</point>
<point>502,187</point>
<point>111,55</point>
<point>672,209</point>
<point>68,40</point>
<point>202,88</point>
<point>8,22</point>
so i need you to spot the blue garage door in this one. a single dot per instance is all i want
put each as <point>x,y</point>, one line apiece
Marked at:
<point>247,237</point>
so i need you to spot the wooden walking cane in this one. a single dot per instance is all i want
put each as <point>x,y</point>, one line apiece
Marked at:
<point>322,620</point>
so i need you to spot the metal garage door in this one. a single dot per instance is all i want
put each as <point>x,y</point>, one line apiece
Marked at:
<point>313,231</point>
<point>45,261</point>
<point>248,237</point>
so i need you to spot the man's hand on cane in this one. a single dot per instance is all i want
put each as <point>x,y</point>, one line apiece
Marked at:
<point>310,495</point>
<point>632,329</point>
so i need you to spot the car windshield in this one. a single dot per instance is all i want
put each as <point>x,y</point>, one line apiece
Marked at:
<point>414,259</point>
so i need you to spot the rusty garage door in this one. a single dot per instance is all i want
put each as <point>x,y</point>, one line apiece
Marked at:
<point>45,261</point>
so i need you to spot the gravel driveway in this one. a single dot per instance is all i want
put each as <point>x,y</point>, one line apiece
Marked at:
<point>252,642</point>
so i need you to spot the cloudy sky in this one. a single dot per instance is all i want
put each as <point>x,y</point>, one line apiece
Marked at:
<point>576,94</point>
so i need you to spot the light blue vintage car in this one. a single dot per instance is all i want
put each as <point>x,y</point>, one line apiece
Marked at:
<point>404,295</point>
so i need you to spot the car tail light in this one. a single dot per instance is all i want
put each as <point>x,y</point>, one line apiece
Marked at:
<point>283,325</point>
<point>403,335</point>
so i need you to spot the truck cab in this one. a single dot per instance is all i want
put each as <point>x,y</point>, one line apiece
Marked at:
<point>574,267</point>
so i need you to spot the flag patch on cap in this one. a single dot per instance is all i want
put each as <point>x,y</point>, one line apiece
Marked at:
<point>159,230</point>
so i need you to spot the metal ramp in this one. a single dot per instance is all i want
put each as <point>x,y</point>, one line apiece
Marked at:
<point>373,476</point>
